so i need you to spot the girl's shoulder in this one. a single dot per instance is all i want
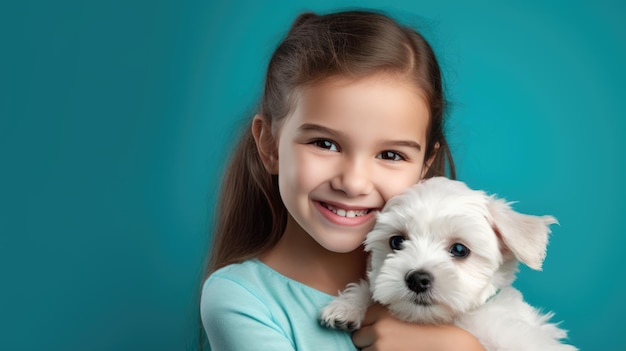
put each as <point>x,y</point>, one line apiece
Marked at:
<point>242,271</point>
<point>253,286</point>
<point>257,279</point>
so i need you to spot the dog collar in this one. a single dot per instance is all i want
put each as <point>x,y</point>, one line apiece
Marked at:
<point>494,295</point>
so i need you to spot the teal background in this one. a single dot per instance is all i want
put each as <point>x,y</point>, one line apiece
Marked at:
<point>116,118</point>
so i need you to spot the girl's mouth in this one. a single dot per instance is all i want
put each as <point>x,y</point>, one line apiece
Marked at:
<point>345,213</point>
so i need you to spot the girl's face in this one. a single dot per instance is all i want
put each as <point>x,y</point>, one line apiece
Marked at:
<point>345,150</point>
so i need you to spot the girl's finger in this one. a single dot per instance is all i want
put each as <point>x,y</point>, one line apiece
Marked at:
<point>363,337</point>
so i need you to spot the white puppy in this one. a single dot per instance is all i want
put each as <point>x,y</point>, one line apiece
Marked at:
<point>444,253</point>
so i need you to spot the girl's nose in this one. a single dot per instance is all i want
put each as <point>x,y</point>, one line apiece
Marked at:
<point>353,178</point>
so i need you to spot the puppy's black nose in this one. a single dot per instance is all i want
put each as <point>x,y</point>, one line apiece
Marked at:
<point>419,281</point>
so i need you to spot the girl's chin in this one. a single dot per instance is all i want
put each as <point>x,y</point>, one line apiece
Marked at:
<point>343,246</point>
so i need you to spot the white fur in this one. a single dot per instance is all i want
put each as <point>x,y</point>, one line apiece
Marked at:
<point>474,292</point>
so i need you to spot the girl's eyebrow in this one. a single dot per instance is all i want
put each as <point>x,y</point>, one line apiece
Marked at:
<point>312,127</point>
<point>400,143</point>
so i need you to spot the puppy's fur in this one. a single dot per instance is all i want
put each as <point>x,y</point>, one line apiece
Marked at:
<point>444,253</point>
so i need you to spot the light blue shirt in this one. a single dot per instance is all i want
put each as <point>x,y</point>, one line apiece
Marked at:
<point>249,306</point>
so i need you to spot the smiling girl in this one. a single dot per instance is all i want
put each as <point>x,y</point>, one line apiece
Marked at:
<point>351,115</point>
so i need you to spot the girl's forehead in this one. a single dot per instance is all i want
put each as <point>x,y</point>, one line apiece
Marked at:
<point>371,81</point>
<point>333,91</point>
<point>380,101</point>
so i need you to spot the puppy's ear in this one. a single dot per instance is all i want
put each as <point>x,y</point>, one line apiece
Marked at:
<point>524,235</point>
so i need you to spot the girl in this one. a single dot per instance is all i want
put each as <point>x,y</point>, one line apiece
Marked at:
<point>351,115</point>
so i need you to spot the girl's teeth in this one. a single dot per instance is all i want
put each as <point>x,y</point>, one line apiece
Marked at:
<point>343,213</point>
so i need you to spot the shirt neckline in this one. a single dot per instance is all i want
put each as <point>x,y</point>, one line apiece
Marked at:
<point>290,280</point>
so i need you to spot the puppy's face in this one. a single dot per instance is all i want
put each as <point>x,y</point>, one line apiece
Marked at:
<point>435,252</point>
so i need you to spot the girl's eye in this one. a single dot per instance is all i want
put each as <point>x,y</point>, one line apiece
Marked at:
<point>395,242</point>
<point>325,144</point>
<point>459,250</point>
<point>391,156</point>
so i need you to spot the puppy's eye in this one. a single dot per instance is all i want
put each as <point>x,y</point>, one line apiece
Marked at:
<point>459,250</point>
<point>395,242</point>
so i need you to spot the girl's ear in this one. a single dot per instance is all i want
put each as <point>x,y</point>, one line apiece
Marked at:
<point>265,143</point>
<point>429,161</point>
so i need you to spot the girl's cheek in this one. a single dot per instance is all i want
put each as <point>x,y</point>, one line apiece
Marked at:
<point>308,169</point>
<point>400,183</point>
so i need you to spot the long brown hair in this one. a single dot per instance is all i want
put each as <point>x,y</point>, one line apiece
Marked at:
<point>250,214</point>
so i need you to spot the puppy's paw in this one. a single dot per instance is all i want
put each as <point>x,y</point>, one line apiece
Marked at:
<point>340,315</point>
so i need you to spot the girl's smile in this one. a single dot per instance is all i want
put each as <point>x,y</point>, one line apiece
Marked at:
<point>344,215</point>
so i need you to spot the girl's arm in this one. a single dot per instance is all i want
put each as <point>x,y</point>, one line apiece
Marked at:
<point>381,331</point>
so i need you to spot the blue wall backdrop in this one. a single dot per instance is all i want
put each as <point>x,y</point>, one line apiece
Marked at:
<point>116,118</point>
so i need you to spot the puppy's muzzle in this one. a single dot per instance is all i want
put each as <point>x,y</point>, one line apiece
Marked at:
<point>419,281</point>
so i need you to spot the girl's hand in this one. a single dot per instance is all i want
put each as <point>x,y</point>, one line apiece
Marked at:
<point>380,331</point>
